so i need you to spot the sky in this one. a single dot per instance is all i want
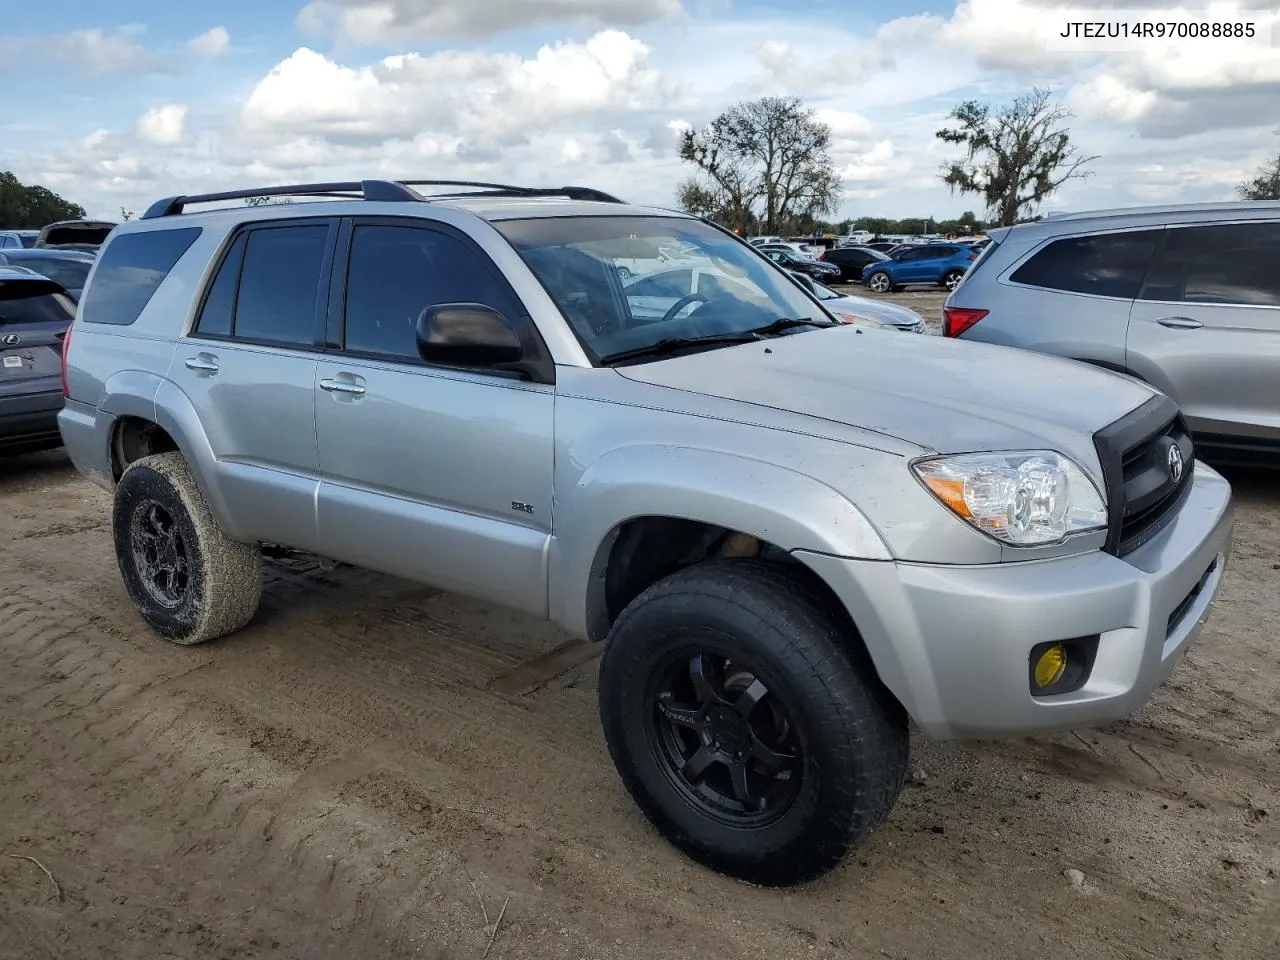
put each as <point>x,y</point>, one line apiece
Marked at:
<point>115,105</point>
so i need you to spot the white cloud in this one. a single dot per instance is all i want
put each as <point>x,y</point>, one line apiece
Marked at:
<point>1106,97</point>
<point>162,126</point>
<point>212,43</point>
<point>383,21</point>
<point>487,98</point>
<point>91,51</point>
<point>875,164</point>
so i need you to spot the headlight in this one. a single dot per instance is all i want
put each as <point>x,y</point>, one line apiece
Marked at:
<point>1023,498</point>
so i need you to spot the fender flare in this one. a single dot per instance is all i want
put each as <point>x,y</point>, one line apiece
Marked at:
<point>789,509</point>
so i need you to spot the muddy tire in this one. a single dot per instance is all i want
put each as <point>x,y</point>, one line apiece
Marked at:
<point>747,724</point>
<point>189,580</point>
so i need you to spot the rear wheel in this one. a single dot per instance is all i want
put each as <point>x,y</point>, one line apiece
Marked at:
<point>951,279</point>
<point>880,282</point>
<point>746,722</point>
<point>188,579</point>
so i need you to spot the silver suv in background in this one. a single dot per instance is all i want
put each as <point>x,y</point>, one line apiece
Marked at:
<point>1185,297</point>
<point>792,534</point>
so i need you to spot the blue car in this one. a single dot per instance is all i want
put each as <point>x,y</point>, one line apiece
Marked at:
<point>943,264</point>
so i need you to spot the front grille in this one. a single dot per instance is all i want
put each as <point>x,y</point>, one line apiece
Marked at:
<point>1136,453</point>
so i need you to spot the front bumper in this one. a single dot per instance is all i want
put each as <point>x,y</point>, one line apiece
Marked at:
<point>953,642</point>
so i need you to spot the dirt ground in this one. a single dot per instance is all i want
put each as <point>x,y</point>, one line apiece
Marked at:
<point>377,770</point>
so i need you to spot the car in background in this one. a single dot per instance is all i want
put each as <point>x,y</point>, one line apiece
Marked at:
<point>863,310</point>
<point>943,264</point>
<point>35,314</point>
<point>790,260</point>
<point>76,234</point>
<point>1183,296</point>
<point>18,239</point>
<point>69,267</point>
<point>851,261</point>
<point>756,241</point>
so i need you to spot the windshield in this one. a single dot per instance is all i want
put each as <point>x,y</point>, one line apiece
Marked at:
<point>70,273</point>
<point>619,294</point>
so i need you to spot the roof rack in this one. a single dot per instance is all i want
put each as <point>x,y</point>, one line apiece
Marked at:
<point>508,190</point>
<point>392,191</point>
<point>385,190</point>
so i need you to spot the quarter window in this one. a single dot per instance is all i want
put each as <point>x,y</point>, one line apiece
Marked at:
<point>395,273</point>
<point>130,269</point>
<point>1104,265</point>
<point>1232,263</point>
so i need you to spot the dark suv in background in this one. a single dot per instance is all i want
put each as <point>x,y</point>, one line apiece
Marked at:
<point>35,313</point>
<point>1185,297</point>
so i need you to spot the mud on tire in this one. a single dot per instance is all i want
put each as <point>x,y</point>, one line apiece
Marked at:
<point>747,724</point>
<point>189,580</point>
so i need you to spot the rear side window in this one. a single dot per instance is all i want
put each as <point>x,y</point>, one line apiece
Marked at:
<point>131,268</point>
<point>1234,263</point>
<point>1104,265</point>
<point>267,289</point>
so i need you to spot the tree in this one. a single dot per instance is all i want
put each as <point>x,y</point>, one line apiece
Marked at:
<point>1015,155</point>
<point>1265,186</point>
<point>126,214</point>
<point>765,163</point>
<point>32,207</point>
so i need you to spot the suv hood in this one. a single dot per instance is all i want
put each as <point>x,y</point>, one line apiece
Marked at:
<point>941,395</point>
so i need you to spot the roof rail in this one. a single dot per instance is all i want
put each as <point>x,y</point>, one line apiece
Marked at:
<point>508,190</point>
<point>385,190</point>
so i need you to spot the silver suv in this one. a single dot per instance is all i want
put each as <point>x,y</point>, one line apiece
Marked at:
<point>793,535</point>
<point>1185,297</point>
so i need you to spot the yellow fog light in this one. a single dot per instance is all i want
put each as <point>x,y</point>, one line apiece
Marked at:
<point>1051,665</point>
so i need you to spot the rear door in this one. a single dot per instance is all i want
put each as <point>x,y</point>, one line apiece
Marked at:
<point>248,367</point>
<point>1206,327</point>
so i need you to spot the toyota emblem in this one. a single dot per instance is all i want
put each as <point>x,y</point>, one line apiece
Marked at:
<point>1175,463</point>
<point>10,339</point>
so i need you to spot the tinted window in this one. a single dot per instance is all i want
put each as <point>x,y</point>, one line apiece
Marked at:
<point>1105,265</point>
<point>280,284</point>
<point>70,273</point>
<point>397,272</point>
<point>220,302</point>
<point>33,301</point>
<point>673,283</point>
<point>1232,263</point>
<point>130,269</point>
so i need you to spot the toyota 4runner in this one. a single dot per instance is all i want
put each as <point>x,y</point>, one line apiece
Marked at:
<point>794,536</point>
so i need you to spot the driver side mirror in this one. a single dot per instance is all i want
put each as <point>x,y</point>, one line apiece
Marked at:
<point>467,335</point>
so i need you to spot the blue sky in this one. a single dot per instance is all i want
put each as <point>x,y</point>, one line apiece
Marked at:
<point>113,105</point>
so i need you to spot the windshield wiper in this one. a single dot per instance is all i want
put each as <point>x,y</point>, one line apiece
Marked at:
<point>787,323</point>
<point>671,344</point>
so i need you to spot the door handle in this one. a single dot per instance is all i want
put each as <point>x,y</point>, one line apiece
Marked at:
<point>204,364</point>
<point>1180,323</point>
<point>342,386</point>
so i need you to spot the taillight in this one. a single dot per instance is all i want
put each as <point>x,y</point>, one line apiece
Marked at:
<point>822,255</point>
<point>66,346</point>
<point>973,257</point>
<point>956,320</point>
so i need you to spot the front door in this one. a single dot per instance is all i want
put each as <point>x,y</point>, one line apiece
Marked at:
<point>442,476</point>
<point>249,367</point>
<point>1206,327</point>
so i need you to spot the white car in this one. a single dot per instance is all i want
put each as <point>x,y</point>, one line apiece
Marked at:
<point>863,311</point>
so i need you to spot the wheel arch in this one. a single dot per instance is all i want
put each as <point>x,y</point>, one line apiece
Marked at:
<point>635,499</point>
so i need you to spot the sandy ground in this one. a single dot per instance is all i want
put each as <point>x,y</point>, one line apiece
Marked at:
<point>374,769</point>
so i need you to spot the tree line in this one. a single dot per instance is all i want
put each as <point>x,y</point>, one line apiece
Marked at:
<point>764,167</point>
<point>24,207</point>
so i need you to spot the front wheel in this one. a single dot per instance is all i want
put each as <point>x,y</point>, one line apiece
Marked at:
<point>880,282</point>
<point>624,274</point>
<point>188,579</point>
<point>746,722</point>
<point>951,279</point>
